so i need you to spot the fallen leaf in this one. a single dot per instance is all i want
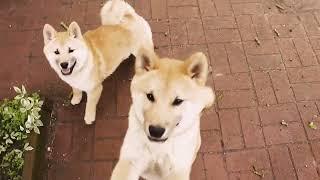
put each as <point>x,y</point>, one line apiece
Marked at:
<point>284,123</point>
<point>256,172</point>
<point>312,125</point>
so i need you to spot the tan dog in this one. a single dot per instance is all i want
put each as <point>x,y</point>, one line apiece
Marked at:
<point>163,137</point>
<point>84,61</point>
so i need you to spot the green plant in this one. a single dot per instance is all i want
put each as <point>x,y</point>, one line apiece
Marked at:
<point>18,117</point>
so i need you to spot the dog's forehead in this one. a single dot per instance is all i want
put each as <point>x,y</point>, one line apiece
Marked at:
<point>62,38</point>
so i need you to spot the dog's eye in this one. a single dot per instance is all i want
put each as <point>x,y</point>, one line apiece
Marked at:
<point>57,51</point>
<point>71,50</point>
<point>150,97</point>
<point>177,102</point>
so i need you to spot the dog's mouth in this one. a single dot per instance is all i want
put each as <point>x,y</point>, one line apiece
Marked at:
<point>157,139</point>
<point>68,71</point>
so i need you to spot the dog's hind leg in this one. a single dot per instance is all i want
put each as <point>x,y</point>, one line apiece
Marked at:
<point>76,96</point>
<point>91,106</point>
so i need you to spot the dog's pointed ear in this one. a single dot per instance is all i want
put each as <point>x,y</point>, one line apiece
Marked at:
<point>49,33</point>
<point>74,30</point>
<point>197,68</point>
<point>145,60</point>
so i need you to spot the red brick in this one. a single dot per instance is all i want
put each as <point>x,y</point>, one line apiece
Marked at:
<point>309,113</point>
<point>246,28</point>
<point>211,141</point>
<point>123,97</point>
<point>222,35</point>
<point>290,31</point>
<point>251,127</point>
<point>107,149</point>
<point>233,81</point>
<point>237,98</point>
<point>184,52</point>
<point>310,23</point>
<point>223,7</point>
<point>316,149</point>
<point>231,129</point>
<point>247,8</point>
<point>251,176</point>
<point>305,52</point>
<point>263,88</point>
<point>183,12</point>
<point>265,62</point>
<point>289,53</point>
<point>111,128</point>
<point>82,140</point>
<point>158,9</point>
<point>212,23</point>
<point>262,27</point>
<point>219,58</point>
<point>306,91</point>
<point>209,120</point>
<point>265,47</point>
<point>92,13</point>
<point>215,167</point>
<point>236,57</point>
<point>207,8</point>
<point>275,19</point>
<point>244,1</point>
<point>195,32</point>
<point>303,74</point>
<point>102,170</point>
<point>178,33</point>
<point>108,107</point>
<point>161,39</point>
<point>315,42</point>
<point>294,132</point>
<point>182,3</point>
<point>159,26</point>
<point>274,114</point>
<point>245,159</point>
<point>304,162</point>
<point>281,163</point>
<point>198,170</point>
<point>282,86</point>
<point>78,171</point>
<point>62,144</point>
<point>143,8</point>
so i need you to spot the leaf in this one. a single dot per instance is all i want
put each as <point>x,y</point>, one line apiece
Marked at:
<point>9,141</point>
<point>21,128</point>
<point>23,90</point>
<point>36,130</point>
<point>312,125</point>
<point>39,123</point>
<point>18,90</point>
<point>29,148</point>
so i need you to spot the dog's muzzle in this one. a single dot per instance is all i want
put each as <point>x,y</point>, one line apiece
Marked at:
<point>66,69</point>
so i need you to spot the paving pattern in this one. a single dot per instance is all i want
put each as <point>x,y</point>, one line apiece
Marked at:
<point>265,60</point>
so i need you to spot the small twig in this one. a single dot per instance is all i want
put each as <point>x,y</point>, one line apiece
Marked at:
<point>280,7</point>
<point>257,41</point>
<point>277,32</point>
<point>256,172</point>
<point>65,27</point>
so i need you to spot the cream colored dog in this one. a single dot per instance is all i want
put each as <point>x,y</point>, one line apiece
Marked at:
<point>84,61</point>
<point>163,137</point>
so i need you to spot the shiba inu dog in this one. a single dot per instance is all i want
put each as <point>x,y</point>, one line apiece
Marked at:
<point>163,135</point>
<point>84,61</point>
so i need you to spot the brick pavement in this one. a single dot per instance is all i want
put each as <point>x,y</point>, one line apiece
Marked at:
<point>258,86</point>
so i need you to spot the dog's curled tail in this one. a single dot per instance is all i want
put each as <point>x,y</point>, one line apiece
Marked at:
<point>115,12</point>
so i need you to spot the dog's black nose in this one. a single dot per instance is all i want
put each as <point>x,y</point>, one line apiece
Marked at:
<point>64,65</point>
<point>156,131</point>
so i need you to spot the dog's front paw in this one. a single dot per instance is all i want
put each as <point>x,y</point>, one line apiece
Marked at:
<point>76,99</point>
<point>89,118</point>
